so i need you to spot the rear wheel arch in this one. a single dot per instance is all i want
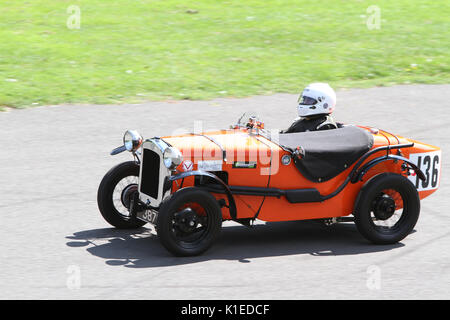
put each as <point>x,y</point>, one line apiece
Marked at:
<point>359,175</point>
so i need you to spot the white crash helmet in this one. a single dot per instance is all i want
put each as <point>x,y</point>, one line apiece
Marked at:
<point>316,98</point>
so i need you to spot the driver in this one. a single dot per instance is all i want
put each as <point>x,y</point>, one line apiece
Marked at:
<point>315,105</point>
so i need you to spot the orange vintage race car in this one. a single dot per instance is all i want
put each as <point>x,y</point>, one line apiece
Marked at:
<point>187,185</point>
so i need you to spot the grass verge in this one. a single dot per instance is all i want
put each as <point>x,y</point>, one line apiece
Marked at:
<point>131,51</point>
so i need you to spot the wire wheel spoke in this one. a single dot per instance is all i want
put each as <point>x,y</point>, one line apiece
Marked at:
<point>387,210</point>
<point>122,194</point>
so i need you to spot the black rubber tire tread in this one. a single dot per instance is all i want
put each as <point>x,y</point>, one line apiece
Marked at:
<point>105,192</point>
<point>173,203</point>
<point>370,190</point>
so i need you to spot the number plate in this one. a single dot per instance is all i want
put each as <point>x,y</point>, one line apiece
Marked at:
<point>430,164</point>
<point>148,216</point>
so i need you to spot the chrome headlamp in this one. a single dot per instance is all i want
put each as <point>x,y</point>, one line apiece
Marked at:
<point>132,140</point>
<point>172,158</point>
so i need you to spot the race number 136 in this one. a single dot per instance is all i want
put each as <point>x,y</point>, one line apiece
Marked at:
<point>430,164</point>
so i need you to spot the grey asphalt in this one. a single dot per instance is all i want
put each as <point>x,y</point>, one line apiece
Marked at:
<point>55,244</point>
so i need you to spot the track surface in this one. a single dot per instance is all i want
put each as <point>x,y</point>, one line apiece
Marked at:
<point>53,159</point>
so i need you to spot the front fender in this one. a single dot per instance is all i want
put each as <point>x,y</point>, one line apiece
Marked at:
<point>231,202</point>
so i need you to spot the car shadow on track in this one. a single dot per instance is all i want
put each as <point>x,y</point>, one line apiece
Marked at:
<point>141,249</point>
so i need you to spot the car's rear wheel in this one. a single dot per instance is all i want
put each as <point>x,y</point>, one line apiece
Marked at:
<point>387,208</point>
<point>189,221</point>
<point>118,187</point>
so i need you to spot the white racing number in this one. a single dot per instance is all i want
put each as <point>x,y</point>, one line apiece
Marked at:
<point>430,164</point>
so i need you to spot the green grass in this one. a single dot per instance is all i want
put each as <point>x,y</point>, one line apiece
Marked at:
<point>131,50</point>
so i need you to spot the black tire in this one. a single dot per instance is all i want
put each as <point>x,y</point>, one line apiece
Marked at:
<point>105,192</point>
<point>365,208</point>
<point>167,228</point>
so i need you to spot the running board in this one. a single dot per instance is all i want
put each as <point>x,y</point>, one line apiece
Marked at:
<point>292,195</point>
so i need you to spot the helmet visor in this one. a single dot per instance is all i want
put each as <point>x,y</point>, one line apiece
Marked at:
<point>305,100</point>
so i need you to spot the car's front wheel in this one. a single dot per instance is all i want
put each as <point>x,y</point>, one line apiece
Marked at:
<point>189,221</point>
<point>118,187</point>
<point>387,208</point>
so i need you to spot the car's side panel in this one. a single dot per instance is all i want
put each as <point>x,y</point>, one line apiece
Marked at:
<point>242,150</point>
<point>242,147</point>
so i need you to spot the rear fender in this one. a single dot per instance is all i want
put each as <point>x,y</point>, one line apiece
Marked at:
<point>362,171</point>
